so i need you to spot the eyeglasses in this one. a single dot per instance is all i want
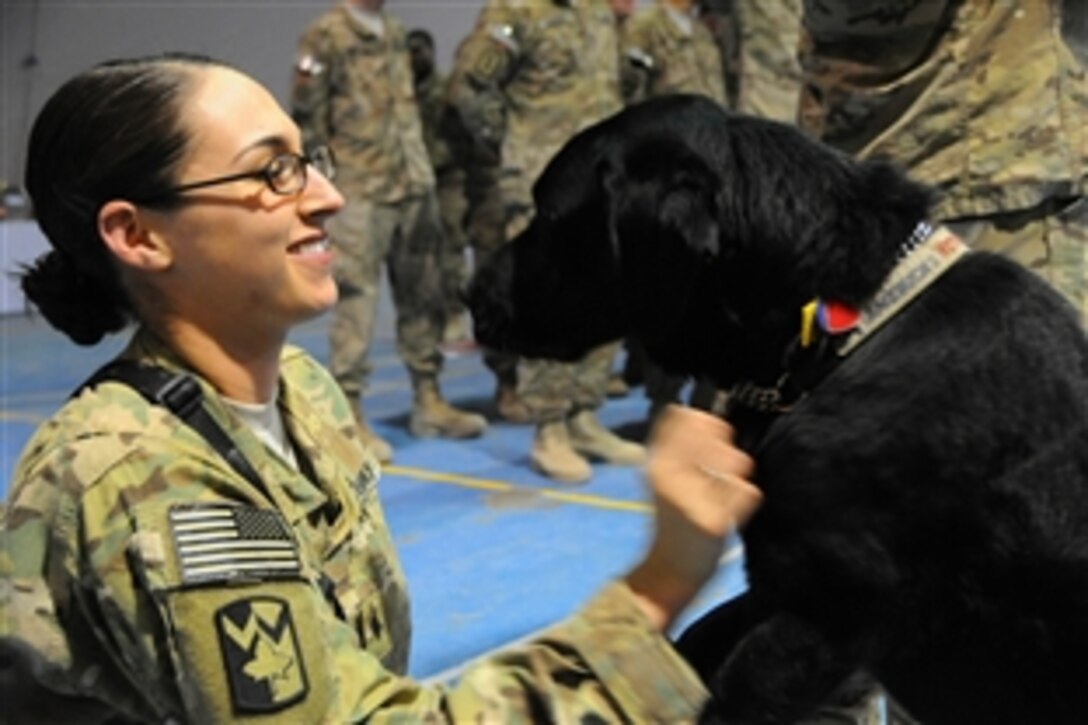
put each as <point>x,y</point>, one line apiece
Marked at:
<point>285,174</point>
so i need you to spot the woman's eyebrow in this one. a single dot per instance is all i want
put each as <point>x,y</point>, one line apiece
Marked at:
<point>274,142</point>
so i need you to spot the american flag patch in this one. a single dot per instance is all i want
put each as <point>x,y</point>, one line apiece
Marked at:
<point>217,542</point>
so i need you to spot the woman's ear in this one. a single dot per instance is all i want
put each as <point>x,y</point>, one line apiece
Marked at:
<point>123,228</point>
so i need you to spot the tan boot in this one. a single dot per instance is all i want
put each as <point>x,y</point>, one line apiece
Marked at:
<point>510,406</point>
<point>433,417</point>
<point>617,386</point>
<point>553,455</point>
<point>380,447</point>
<point>590,438</point>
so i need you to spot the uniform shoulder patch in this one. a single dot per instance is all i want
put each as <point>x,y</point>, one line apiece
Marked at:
<point>261,654</point>
<point>222,542</point>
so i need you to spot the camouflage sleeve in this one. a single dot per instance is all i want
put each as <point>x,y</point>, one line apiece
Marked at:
<point>484,62</point>
<point>605,664</point>
<point>117,598</point>
<point>638,65</point>
<point>125,625</point>
<point>312,87</point>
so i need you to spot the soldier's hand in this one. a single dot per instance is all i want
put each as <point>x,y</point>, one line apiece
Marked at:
<point>701,492</point>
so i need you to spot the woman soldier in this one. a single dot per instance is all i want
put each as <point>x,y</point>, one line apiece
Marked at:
<point>196,536</point>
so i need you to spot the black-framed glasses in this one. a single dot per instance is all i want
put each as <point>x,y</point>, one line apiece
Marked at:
<point>285,174</point>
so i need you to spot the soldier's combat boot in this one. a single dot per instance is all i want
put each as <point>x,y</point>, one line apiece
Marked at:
<point>433,417</point>
<point>510,405</point>
<point>554,456</point>
<point>380,447</point>
<point>590,438</point>
<point>617,386</point>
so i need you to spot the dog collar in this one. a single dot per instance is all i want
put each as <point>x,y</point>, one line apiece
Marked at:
<point>923,257</point>
<point>920,264</point>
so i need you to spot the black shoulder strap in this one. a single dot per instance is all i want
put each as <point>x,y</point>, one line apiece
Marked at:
<point>181,395</point>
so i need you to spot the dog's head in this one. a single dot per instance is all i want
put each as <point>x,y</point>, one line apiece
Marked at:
<point>694,230</point>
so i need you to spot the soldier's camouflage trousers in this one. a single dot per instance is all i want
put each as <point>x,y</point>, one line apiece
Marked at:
<point>1051,239</point>
<point>407,237</point>
<point>453,260</point>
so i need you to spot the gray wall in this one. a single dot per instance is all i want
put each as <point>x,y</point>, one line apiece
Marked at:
<point>259,36</point>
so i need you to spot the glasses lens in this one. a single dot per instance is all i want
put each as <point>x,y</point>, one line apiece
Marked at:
<point>286,174</point>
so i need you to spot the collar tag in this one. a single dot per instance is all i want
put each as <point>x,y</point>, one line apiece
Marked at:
<point>914,273</point>
<point>836,318</point>
<point>808,319</point>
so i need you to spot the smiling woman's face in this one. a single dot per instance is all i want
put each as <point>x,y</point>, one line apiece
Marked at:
<point>245,260</point>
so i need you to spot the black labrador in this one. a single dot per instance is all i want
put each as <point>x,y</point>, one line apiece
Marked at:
<point>918,413</point>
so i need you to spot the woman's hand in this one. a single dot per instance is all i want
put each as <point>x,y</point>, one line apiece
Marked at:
<point>701,492</point>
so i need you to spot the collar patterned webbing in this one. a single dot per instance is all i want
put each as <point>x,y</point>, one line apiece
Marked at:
<point>923,258</point>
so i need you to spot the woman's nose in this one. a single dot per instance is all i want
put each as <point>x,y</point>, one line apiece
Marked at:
<point>321,194</point>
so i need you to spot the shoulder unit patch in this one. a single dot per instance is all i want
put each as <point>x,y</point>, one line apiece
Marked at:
<point>261,654</point>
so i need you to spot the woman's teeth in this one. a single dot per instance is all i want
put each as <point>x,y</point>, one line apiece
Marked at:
<point>317,245</point>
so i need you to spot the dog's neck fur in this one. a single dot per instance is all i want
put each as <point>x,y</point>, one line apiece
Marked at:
<point>792,237</point>
<point>836,235</point>
<point>924,257</point>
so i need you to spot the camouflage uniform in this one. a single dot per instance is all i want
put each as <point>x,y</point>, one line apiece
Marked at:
<point>353,91</point>
<point>450,178</point>
<point>984,99</point>
<point>769,82</point>
<point>118,602</point>
<point>531,75</point>
<point>677,61</point>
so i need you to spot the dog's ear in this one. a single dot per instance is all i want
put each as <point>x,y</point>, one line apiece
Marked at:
<point>675,189</point>
<point>688,208</point>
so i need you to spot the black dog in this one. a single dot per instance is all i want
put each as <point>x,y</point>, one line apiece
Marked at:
<point>926,513</point>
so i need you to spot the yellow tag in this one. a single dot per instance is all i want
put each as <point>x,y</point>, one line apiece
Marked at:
<point>808,322</point>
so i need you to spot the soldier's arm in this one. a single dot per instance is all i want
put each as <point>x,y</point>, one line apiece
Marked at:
<point>125,581</point>
<point>484,63</point>
<point>638,65</point>
<point>312,87</point>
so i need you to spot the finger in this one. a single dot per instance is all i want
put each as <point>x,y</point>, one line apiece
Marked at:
<point>679,428</point>
<point>739,497</point>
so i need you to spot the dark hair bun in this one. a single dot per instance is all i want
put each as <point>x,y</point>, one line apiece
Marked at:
<point>74,303</point>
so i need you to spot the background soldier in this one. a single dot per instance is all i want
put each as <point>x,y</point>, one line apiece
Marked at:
<point>986,101</point>
<point>528,77</point>
<point>680,54</point>
<point>353,92</point>
<point>769,74</point>
<point>430,87</point>
<point>758,40</point>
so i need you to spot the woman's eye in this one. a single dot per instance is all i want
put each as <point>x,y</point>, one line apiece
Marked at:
<point>279,169</point>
